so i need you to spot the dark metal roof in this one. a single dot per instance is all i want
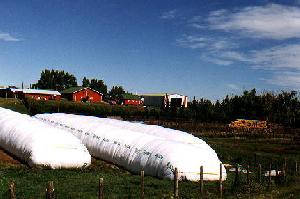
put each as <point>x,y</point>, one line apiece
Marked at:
<point>76,89</point>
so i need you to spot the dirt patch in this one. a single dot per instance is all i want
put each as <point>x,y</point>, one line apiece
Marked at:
<point>6,158</point>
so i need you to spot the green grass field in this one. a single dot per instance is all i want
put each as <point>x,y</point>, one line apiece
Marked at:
<point>119,183</point>
<point>13,104</point>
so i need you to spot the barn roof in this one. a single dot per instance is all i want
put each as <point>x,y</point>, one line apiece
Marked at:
<point>76,89</point>
<point>154,94</point>
<point>36,91</point>
<point>128,96</point>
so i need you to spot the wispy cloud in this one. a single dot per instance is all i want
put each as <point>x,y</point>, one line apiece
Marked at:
<point>195,42</point>
<point>286,79</point>
<point>272,21</point>
<point>277,23</point>
<point>169,14</point>
<point>7,37</point>
<point>278,57</point>
<point>233,86</point>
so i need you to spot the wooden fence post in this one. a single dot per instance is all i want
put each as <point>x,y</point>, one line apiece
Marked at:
<point>201,181</point>
<point>269,181</point>
<point>236,179</point>
<point>283,173</point>
<point>296,168</point>
<point>101,187</point>
<point>248,178</point>
<point>259,173</point>
<point>277,175</point>
<point>285,166</point>
<point>176,183</point>
<point>12,190</point>
<point>221,182</point>
<point>142,185</point>
<point>50,190</point>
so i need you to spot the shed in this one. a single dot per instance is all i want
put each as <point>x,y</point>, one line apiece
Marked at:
<point>165,99</point>
<point>130,99</point>
<point>82,94</point>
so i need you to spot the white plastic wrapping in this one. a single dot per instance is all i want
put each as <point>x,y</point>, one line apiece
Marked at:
<point>136,151</point>
<point>38,143</point>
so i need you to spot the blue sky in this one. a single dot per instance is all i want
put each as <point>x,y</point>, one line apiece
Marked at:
<point>198,48</point>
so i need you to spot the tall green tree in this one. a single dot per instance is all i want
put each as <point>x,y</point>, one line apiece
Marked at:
<point>55,80</point>
<point>116,92</point>
<point>95,84</point>
<point>86,82</point>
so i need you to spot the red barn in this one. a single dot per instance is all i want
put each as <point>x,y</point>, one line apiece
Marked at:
<point>32,93</point>
<point>82,94</point>
<point>130,99</point>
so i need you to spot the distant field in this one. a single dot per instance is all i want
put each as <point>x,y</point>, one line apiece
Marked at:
<point>31,182</point>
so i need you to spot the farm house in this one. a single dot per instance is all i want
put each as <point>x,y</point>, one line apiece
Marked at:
<point>140,149</point>
<point>82,94</point>
<point>165,99</point>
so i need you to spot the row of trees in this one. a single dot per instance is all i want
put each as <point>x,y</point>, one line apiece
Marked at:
<point>282,108</point>
<point>61,80</point>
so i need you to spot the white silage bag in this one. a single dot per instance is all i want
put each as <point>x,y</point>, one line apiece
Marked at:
<point>40,144</point>
<point>137,151</point>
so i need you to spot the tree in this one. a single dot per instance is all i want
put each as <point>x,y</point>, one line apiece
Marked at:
<point>55,80</point>
<point>85,82</point>
<point>99,85</point>
<point>95,84</point>
<point>116,92</point>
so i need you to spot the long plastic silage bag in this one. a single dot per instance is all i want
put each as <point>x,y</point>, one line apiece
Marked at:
<point>41,144</point>
<point>138,151</point>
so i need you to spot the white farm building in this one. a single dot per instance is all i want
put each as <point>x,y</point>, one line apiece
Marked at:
<point>165,99</point>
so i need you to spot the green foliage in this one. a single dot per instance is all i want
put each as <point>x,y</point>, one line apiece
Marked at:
<point>13,104</point>
<point>96,109</point>
<point>55,80</point>
<point>282,108</point>
<point>116,92</point>
<point>95,84</point>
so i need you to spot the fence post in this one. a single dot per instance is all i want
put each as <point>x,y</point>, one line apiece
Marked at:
<point>248,179</point>
<point>285,166</point>
<point>259,173</point>
<point>220,182</point>
<point>101,187</point>
<point>50,190</point>
<point>176,183</point>
<point>201,181</point>
<point>277,175</point>
<point>269,181</point>
<point>283,173</point>
<point>296,168</point>
<point>236,179</point>
<point>142,185</point>
<point>12,190</point>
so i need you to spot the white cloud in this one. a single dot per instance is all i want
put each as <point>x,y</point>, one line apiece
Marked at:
<point>216,60</point>
<point>286,79</point>
<point>213,44</point>
<point>272,21</point>
<point>169,14</point>
<point>233,86</point>
<point>279,57</point>
<point>7,37</point>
